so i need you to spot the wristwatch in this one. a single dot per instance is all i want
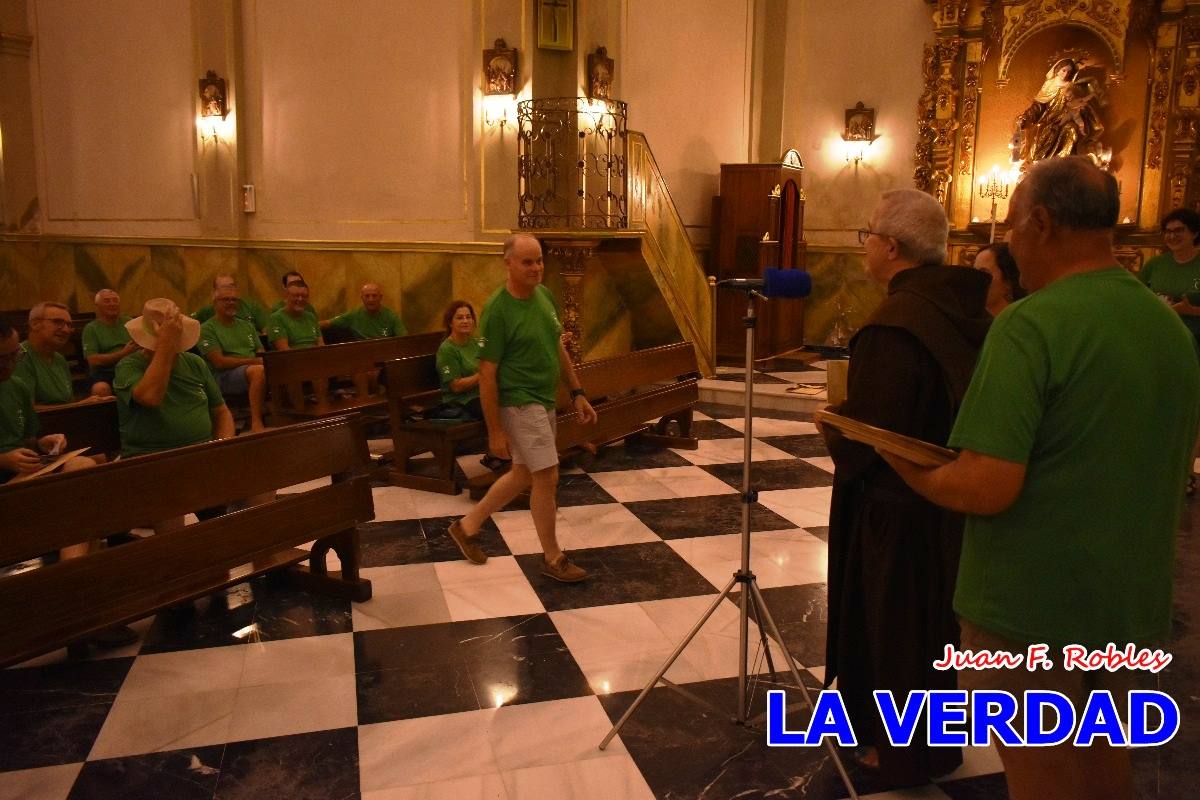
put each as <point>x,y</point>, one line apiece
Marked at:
<point>578,393</point>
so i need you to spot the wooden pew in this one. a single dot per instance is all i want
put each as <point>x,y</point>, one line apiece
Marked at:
<point>93,424</point>
<point>658,383</point>
<point>46,608</point>
<point>287,371</point>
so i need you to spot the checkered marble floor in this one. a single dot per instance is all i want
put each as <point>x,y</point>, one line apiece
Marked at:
<point>458,681</point>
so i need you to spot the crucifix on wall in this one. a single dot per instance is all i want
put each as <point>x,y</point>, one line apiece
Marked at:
<point>556,24</point>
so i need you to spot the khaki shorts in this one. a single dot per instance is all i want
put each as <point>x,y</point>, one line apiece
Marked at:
<point>1076,684</point>
<point>531,435</point>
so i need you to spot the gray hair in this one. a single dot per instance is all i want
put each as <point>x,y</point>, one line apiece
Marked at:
<point>917,221</point>
<point>102,292</point>
<point>511,242</point>
<point>1076,193</point>
<point>39,311</point>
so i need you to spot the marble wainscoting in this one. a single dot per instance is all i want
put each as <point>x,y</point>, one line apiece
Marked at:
<point>623,309</point>
<point>842,297</point>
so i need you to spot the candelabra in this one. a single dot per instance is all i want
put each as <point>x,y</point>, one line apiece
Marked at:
<point>995,187</point>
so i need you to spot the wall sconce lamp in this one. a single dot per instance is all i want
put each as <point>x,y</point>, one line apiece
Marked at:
<point>499,83</point>
<point>213,108</point>
<point>859,133</point>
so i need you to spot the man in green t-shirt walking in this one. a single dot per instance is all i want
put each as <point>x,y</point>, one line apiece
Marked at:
<point>105,341</point>
<point>232,346</point>
<point>1075,438</point>
<point>373,320</point>
<point>520,364</point>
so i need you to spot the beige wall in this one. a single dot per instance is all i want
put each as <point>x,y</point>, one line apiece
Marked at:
<point>838,54</point>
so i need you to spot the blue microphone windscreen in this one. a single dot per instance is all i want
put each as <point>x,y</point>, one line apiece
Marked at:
<point>786,282</point>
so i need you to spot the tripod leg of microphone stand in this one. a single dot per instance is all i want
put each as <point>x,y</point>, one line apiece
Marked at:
<point>670,660</point>
<point>762,633</point>
<point>791,663</point>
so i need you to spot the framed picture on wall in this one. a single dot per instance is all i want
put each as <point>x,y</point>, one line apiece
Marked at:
<point>556,24</point>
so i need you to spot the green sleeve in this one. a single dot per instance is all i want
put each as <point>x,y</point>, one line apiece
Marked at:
<point>204,314</point>
<point>398,325</point>
<point>492,332</point>
<point>341,320</point>
<point>91,340</point>
<point>129,371</point>
<point>211,389</point>
<point>276,330</point>
<point>449,365</point>
<point>1003,408</point>
<point>32,426</point>
<point>261,318</point>
<point>208,340</point>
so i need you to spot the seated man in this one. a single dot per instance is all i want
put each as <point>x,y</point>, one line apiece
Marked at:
<point>167,397</point>
<point>43,369</point>
<point>295,326</point>
<point>105,341</point>
<point>23,452</point>
<point>292,278</point>
<point>248,310</point>
<point>232,346</point>
<point>373,320</point>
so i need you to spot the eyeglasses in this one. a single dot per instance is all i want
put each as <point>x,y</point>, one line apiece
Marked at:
<point>1180,231</point>
<point>863,233</point>
<point>57,323</point>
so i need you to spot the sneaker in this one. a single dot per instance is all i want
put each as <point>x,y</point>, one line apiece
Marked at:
<point>563,570</point>
<point>471,551</point>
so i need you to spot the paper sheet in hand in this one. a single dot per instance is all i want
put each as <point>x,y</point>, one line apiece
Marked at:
<point>914,450</point>
<point>48,468</point>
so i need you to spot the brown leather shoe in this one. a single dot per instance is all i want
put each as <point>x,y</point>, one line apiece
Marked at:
<point>471,551</point>
<point>563,570</point>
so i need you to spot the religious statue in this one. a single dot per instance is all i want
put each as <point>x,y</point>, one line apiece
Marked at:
<point>1063,118</point>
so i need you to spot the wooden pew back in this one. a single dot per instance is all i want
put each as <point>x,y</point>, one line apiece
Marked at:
<point>92,424</point>
<point>45,608</point>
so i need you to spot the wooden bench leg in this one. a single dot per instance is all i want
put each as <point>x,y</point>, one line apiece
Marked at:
<point>339,583</point>
<point>659,436</point>
<point>443,454</point>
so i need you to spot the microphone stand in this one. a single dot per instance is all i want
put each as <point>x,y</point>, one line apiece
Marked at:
<point>746,579</point>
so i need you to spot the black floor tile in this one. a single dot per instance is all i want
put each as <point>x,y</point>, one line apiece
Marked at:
<point>419,541</point>
<point>628,573</point>
<point>71,683</point>
<point>713,515</point>
<point>306,766</point>
<point>713,429</point>
<point>800,446</point>
<point>821,532</point>
<point>189,774</point>
<point>983,787</point>
<point>462,666</point>
<point>634,455</point>
<point>766,476</point>
<point>275,608</point>
<point>685,750</point>
<point>802,614</point>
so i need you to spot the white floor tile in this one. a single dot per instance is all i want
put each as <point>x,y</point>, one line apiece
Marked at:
<point>472,787</point>
<point>824,462</point>
<point>814,376</point>
<point>576,527</point>
<point>412,752</point>
<point>552,732</point>
<point>142,724</point>
<point>594,779</point>
<point>184,672</point>
<point>405,595</point>
<point>804,508</point>
<point>496,589</point>
<point>765,426</point>
<point>663,483</point>
<point>282,709</point>
<point>778,558</point>
<point>44,783</point>
<point>713,652</point>
<point>395,502</point>
<point>308,658</point>
<point>730,451</point>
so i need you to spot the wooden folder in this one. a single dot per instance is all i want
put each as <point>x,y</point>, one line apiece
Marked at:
<point>914,450</point>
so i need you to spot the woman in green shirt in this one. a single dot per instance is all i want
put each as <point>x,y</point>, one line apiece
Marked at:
<point>458,359</point>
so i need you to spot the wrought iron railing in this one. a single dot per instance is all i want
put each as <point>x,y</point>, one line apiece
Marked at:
<point>572,155</point>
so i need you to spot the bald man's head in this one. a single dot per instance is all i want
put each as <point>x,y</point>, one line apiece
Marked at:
<point>372,297</point>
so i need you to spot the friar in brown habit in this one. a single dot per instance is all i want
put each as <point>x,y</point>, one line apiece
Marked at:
<point>893,556</point>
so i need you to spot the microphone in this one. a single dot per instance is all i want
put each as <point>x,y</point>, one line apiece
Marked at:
<point>773,283</point>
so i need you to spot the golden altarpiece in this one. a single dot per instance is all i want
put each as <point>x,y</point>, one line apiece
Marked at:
<point>1009,81</point>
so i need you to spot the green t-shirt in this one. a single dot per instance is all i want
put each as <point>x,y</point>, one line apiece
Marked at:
<point>183,418</point>
<point>18,421</point>
<point>50,383</point>
<point>1093,384</point>
<point>248,310</point>
<point>367,326</point>
<point>100,338</point>
<point>521,337</point>
<point>456,361</point>
<point>1166,276</point>
<point>302,332</point>
<point>236,340</point>
<point>279,307</point>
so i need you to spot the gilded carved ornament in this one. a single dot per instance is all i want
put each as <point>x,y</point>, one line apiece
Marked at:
<point>1107,19</point>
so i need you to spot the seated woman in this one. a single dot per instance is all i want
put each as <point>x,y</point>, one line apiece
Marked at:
<point>458,360</point>
<point>997,261</point>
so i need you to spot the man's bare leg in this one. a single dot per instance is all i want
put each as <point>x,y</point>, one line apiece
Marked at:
<point>258,396</point>
<point>500,494</point>
<point>544,504</point>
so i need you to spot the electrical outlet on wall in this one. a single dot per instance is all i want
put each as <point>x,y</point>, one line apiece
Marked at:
<point>248,198</point>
